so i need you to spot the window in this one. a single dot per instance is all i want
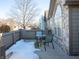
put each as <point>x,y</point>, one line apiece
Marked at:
<point>58,11</point>
<point>58,21</point>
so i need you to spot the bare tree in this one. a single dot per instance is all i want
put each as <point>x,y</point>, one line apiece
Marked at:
<point>24,11</point>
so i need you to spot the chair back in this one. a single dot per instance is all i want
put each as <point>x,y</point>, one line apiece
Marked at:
<point>49,36</point>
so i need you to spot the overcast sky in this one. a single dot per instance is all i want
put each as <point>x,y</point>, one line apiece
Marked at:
<point>6,5</point>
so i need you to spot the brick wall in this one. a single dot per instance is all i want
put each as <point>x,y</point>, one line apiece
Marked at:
<point>63,40</point>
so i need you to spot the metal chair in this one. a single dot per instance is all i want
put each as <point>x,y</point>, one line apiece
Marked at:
<point>48,39</point>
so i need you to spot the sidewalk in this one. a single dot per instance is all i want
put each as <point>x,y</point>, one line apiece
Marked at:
<point>53,53</point>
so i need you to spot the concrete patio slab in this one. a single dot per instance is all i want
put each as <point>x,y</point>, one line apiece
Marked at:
<point>56,53</point>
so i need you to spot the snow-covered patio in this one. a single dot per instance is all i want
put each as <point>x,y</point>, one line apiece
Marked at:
<point>18,45</point>
<point>23,49</point>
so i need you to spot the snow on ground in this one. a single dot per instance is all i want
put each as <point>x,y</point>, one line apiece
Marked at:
<point>23,50</point>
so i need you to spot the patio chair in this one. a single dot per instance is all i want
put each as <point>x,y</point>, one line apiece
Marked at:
<point>48,39</point>
<point>39,37</point>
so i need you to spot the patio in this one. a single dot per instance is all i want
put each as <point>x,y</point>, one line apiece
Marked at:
<point>20,45</point>
<point>51,53</point>
<point>24,49</point>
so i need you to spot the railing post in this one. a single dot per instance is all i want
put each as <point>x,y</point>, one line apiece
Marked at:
<point>20,33</point>
<point>2,52</point>
<point>2,49</point>
<point>13,38</point>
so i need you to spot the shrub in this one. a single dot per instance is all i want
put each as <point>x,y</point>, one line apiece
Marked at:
<point>36,43</point>
<point>4,28</point>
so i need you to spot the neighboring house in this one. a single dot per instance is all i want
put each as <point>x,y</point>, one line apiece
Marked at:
<point>43,21</point>
<point>63,20</point>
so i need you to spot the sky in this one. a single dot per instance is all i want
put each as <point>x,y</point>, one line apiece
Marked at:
<point>6,5</point>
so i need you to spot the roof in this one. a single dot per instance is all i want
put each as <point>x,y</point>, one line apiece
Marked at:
<point>72,2</point>
<point>51,8</point>
<point>53,5</point>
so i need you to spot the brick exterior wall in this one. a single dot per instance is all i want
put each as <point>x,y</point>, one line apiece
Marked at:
<point>65,27</point>
<point>63,40</point>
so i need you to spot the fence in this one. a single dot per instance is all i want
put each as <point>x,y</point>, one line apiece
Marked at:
<point>8,39</point>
